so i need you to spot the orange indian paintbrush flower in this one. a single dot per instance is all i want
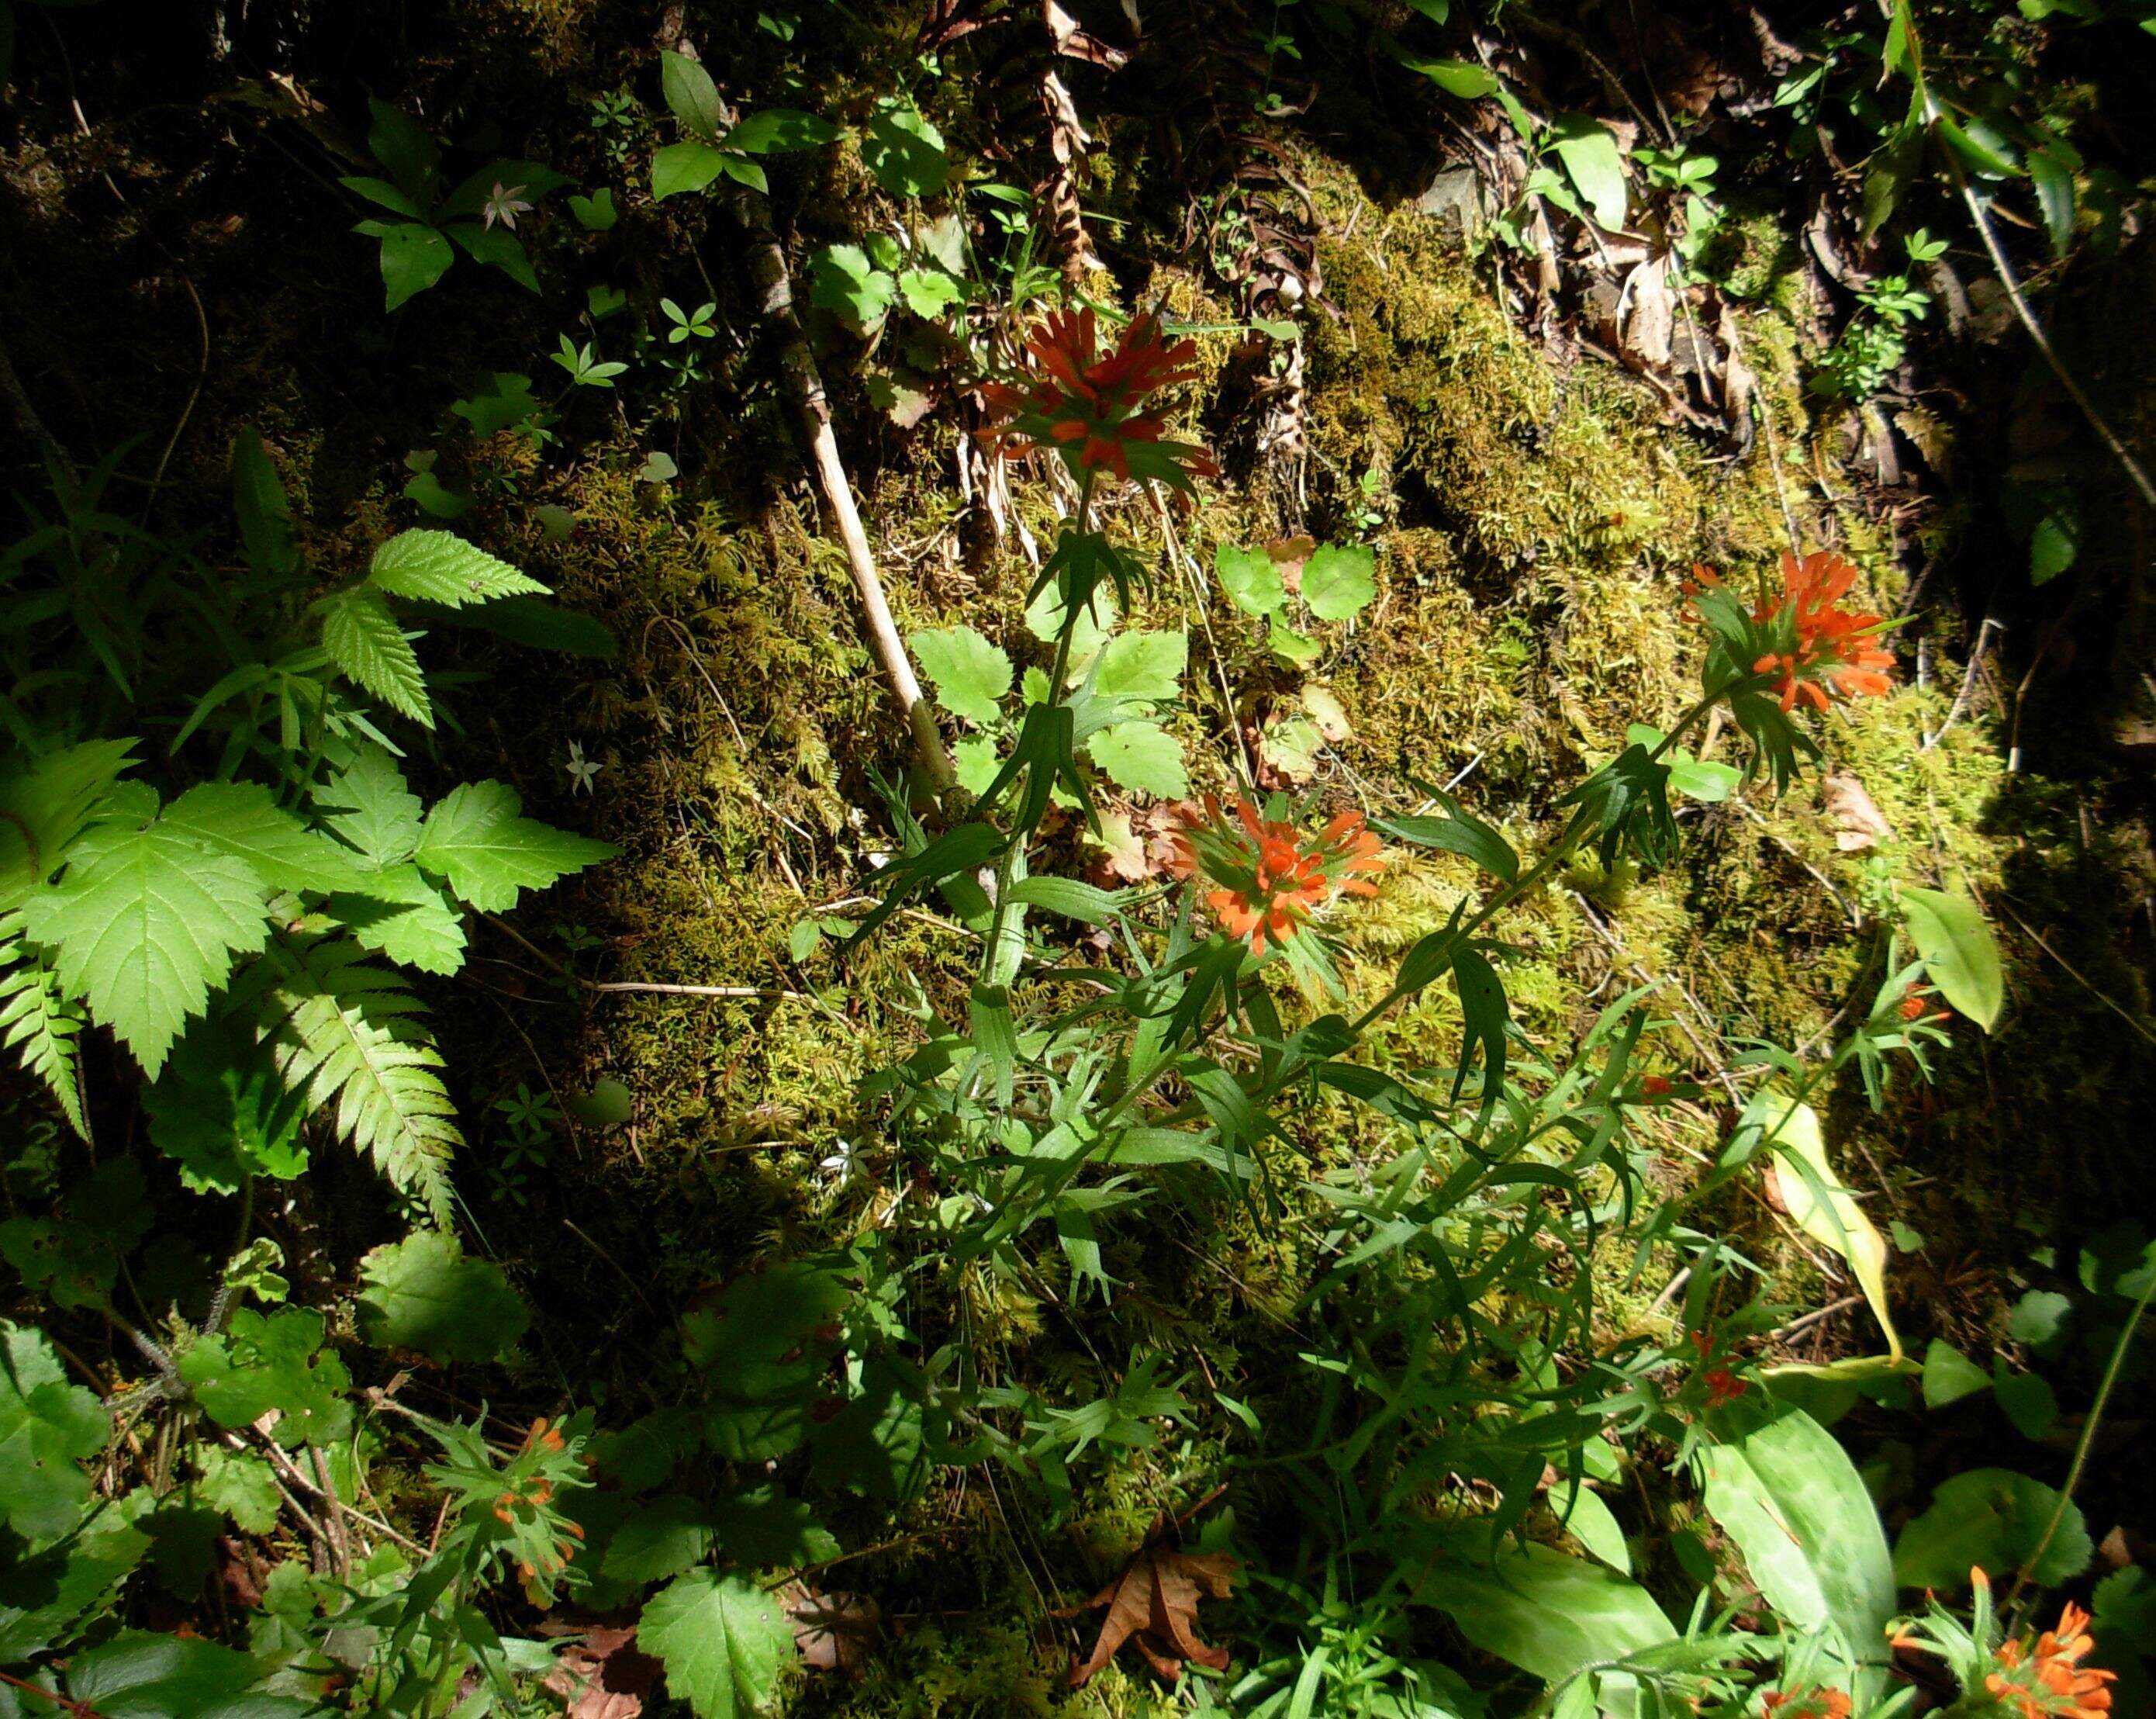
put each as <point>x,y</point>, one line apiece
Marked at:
<point>1268,877</point>
<point>2046,1680</point>
<point>1094,407</point>
<point>1823,649</point>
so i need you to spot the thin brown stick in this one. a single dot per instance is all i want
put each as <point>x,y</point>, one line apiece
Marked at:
<point>767,267</point>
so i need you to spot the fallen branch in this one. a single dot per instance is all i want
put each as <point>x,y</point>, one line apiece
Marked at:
<point>767,267</point>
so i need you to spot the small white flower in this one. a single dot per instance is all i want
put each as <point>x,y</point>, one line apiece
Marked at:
<point>505,204</point>
<point>580,769</point>
<point>840,1164</point>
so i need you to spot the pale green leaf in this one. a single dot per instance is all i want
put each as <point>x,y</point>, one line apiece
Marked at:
<point>414,258</point>
<point>905,153</point>
<point>1788,1495</point>
<point>1142,756</point>
<point>690,94</point>
<point>365,641</point>
<point>972,675</point>
<point>44,806</point>
<point>146,930</point>
<point>722,1640</point>
<point>1949,1375</point>
<point>259,1363</point>
<point>475,838</point>
<point>369,806</point>
<point>399,913</point>
<point>1251,579</point>
<point>440,567</point>
<point>1548,1613</point>
<point>1959,951</point>
<point>1819,1204</point>
<point>1339,581</point>
<point>772,130</point>
<point>1596,165</point>
<point>244,820</point>
<point>422,1293</point>
<point>1144,666</point>
<point>239,1483</point>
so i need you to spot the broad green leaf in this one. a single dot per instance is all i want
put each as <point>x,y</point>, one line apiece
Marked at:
<point>422,1293</point>
<point>1339,581</point>
<point>1455,77</point>
<point>690,94</point>
<point>402,913</point>
<point>47,1426</point>
<point>404,148</point>
<point>772,130</point>
<point>259,1364</point>
<point>1142,756</point>
<point>685,166</point>
<point>44,806</point>
<point>930,292</point>
<point>1818,1203</point>
<point>220,1112</point>
<point>905,153</point>
<point>608,1105</point>
<point>763,1528</point>
<point>2054,541</point>
<point>1949,1375</point>
<point>1959,951</point>
<point>414,258</point>
<point>722,1640</point>
<point>1251,579</point>
<point>595,214</point>
<point>244,820</point>
<point>46,1598</point>
<point>1548,1613</point>
<point>475,838</point>
<point>498,248</point>
<point>2026,1399</point>
<point>239,1483</point>
<point>1147,665</point>
<point>2040,1319</point>
<point>844,282</point>
<point>1991,1518</point>
<point>972,675</point>
<point>762,1346</point>
<point>660,1539</point>
<point>139,1675</point>
<point>1292,646</point>
<point>364,641</point>
<point>440,567</point>
<point>1788,1495</point>
<point>368,806</point>
<point>258,499</point>
<point>1596,165</point>
<point>977,761</point>
<point>531,622</point>
<point>147,929</point>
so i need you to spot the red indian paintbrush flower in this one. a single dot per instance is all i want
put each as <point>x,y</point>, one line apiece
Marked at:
<point>1092,407</point>
<point>1269,877</point>
<point>1804,1704</point>
<point>1826,649</point>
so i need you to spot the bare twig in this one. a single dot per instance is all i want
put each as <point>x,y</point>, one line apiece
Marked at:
<point>767,265</point>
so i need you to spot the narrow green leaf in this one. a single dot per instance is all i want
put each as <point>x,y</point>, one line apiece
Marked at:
<point>440,567</point>
<point>364,641</point>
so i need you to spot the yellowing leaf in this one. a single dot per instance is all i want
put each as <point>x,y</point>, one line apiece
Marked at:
<point>1819,1204</point>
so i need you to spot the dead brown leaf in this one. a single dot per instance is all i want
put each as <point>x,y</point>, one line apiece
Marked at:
<point>1858,822</point>
<point>834,1632</point>
<point>606,1675</point>
<point>1153,1604</point>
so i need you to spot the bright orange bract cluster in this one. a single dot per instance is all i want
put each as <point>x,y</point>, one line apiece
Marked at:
<point>2046,1680</point>
<point>1090,405</point>
<point>1270,877</point>
<point>1832,649</point>
<point>1805,1704</point>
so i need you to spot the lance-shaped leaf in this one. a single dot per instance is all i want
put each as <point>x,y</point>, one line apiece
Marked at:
<point>1818,1203</point>
<point>440,567</point>
<point>1959,951</point>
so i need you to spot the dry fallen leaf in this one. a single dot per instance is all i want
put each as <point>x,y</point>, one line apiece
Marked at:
<point>1858,822</point>
<point>1153,1604</point>
<point>606,1675</point>
<point>833,1631</point>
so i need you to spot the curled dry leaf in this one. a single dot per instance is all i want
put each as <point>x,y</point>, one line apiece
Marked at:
<point>1858,822</point>
<point>605,1676</point>
<point>1153,1604</point>
<point>834,1632</point>
<point>1289,554</point>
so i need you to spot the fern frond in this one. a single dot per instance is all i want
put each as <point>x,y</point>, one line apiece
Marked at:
<point>38,1018</point>
<point>352,1035</point>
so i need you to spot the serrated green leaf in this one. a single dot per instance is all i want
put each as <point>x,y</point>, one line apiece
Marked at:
<point>219,1111</point>
<point>244,820</point>
<point>369,806</point>
<point>398,913</point>
<point>422,1293</point>
<point>844,282</point>
<point>44,806</point>
<point>976,760</point>
<point>659,1539</point>
<point>365,641</point>
<point>476,839</point>
<point>1142,756</point>
<point>762,1529</point>
<point>440,567</point>
<point>1339,581</point>
<point>147,929</point>
<point>905,153</point>
<point>49,1598</point>
<point>239,1483</point>
<point>47,1426</point>
<point>39,1021</point>
<point>930,292</point>
<point>972,675</point>
<point>1959,951</point>
<point>1251,579</point>
<point>259,1364</point>
<point>1146,666</point>
<point>350,1035</point>
<point>722,1640</point>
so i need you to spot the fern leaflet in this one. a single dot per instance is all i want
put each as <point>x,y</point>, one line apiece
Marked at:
<point>35,1016</point>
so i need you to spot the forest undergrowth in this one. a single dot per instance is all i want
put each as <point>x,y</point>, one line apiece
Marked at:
<point>1280,858</point>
